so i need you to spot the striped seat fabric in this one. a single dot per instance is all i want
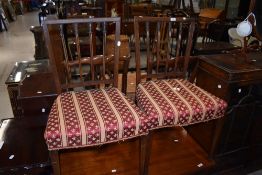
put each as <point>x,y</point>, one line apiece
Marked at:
<point>94,117</point>
<point>177,102</point>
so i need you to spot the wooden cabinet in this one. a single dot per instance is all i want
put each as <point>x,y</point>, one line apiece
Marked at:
<point>20,71</point>
<point>231,78</point>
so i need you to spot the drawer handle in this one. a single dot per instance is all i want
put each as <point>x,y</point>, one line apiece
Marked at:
<point>43,110</point>
<point>176,140</point>
<point>113,170</point>
<point>219,86</point>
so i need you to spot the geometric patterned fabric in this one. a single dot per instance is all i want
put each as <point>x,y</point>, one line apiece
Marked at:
<point>94,117</point>
<point>177,102</point>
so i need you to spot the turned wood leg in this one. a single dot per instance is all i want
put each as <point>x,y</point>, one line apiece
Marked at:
<point>145,151</point>
<point>55,161</point>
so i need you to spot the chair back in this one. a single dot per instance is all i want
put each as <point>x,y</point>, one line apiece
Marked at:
<point>214,31</point>
<point>168,48</point>
<point>73,69</point>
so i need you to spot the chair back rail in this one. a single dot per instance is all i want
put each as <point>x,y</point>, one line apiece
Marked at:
<point>72,68</point>
<point>168,49</point>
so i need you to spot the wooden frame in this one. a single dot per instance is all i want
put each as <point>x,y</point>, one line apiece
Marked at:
<point>158,41</point>
<point>60,54</point>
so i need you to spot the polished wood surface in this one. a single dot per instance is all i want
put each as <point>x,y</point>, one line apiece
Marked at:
<point>19,72</point>
<point>24,149</point>
<point>215,47</point>
<point>175,152</point>
<point>115,158</point>
<point>36,94</point>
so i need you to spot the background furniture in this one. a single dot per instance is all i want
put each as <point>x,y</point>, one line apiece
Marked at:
<point>20,71</point>
<point>239,83</point>
<point>40,48</point>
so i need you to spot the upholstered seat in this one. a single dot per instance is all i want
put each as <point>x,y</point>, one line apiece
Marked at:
<point>177,102</point>
<point>94,117</point>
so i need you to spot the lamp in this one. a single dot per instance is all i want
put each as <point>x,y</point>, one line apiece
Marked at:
<point>244,28</point>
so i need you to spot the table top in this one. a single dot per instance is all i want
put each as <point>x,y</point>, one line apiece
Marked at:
<point>234,66</point>
<point>24,68</point>
<point>23,144</point>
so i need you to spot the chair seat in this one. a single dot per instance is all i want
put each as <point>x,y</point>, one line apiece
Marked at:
<point>93,117</point>
<point>177,102</point>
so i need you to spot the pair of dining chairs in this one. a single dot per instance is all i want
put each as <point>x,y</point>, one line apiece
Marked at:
<point>82,117</point>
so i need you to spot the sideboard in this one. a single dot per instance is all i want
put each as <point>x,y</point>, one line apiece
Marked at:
<point>231,78</point>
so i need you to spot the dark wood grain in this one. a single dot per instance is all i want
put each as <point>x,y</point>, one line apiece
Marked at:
<point>175,152</point>
<point>23,138</point>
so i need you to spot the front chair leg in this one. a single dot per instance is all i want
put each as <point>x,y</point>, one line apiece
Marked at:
<point>55,161</point>
<point>145,151</point>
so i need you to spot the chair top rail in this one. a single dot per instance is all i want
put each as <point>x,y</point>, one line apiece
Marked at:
<point>82,20</point>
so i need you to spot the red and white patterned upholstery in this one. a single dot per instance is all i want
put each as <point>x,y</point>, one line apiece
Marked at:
<point>94,117</point>
<point>178,102</point>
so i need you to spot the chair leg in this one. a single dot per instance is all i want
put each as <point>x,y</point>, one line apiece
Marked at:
<point>55,161</point>
<point>145,151</point>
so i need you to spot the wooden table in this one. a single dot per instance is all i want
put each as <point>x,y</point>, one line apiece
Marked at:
<point>24,150</point>
<point>231,78</point>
